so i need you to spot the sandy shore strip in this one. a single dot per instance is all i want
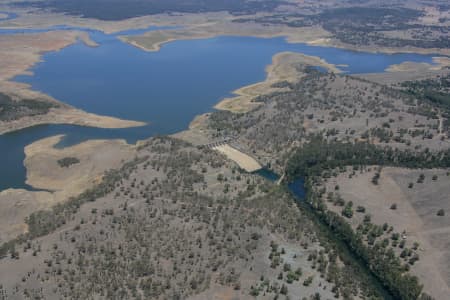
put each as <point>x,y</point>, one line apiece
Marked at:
<point>153,46</point>
<point>408,71</point>
<point>95,157</point>
<point>283,68</point>
<point>244,161</point>
<point>439,63</point>
<point>37,18</point>
<point>19,53</point>
<point>313,35</point>
<point>209,24</point>
<point>68,116</point>
<point>153,40</point>
<point>61,113</point>
<point>61,183</point>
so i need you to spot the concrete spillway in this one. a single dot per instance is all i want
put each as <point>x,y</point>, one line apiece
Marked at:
<point>244,161</point>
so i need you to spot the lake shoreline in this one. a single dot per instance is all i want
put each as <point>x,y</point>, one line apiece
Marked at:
<point>18,59</point>
<point>68,116</point>
<point>283,67</point>
<point>241,100</point>
<point>309,35</point>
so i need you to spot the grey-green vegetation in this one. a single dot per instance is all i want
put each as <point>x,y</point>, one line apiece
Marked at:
<point>166,225</point>
<point>68,161</point>
<point>119,10</point>
<point>11,109</point>
<point>367,25</point>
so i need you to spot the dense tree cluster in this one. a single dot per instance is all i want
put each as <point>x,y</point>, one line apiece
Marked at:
<point>67,161</point>
<point>319,156</point>
<point>11,109</point>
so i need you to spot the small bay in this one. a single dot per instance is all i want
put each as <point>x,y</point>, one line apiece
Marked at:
<point>166,89</point>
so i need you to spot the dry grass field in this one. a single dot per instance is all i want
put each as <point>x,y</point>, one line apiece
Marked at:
<point>415,215</point>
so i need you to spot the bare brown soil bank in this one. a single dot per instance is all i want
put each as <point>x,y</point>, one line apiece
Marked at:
<point>439,63</point>
<point>59,183</point>
<point>296,28</point>
<point>303,21</point>
<point>153,40</point>
<point>95,156</point>
<point>67,115</point>
<point>284,67</point>
<point>411,71</point>
<point>33,18</point>
<point>18,53</point>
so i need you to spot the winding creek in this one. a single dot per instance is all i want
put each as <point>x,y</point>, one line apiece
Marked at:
<point>297,190</point>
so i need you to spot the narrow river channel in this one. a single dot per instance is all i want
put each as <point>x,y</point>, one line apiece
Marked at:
<point>298,191</point>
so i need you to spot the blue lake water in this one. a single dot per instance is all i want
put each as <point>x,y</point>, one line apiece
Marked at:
<point>9,16</point>
<point>167,89</point>
<point>268,174</point>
